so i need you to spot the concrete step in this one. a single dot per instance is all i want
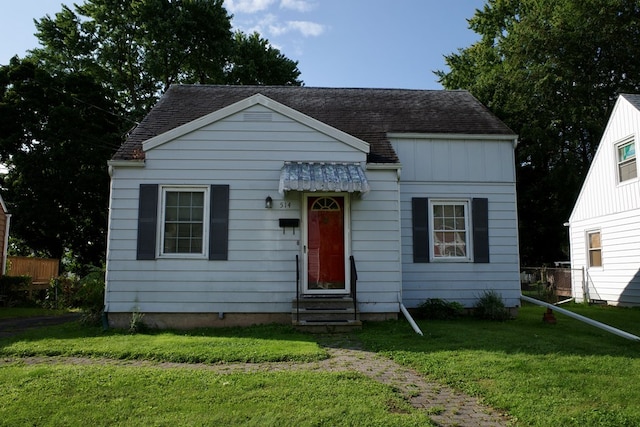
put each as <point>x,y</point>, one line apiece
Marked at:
<point>327,326</point>
<point>327,314</point>
<point>323,303</point>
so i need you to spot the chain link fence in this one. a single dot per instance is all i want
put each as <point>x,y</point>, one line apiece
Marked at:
<point>550,284</point>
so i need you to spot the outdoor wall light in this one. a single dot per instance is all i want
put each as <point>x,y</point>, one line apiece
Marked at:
<point>268,202</point>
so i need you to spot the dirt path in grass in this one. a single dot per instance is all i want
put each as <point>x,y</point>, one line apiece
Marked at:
<point>444,405</point>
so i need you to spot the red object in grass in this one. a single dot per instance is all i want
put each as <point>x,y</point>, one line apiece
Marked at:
<point>548,316</point>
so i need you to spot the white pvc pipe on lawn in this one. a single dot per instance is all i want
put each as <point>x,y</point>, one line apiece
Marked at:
<point>412,322</point>
<point>586,320</point>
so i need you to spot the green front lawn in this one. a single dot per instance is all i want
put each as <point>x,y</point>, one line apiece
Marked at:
<point>255,344</point>
<point>63,395</point>
<point>568,374</point>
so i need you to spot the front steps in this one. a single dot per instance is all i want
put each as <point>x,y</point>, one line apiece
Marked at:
<point>325,314</point>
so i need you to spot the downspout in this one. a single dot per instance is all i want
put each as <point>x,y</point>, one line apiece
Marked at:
<point>412,322</point>
<point>586,320</point>
<point>6,244</point>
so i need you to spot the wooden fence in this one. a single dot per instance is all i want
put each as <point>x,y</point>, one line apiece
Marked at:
<point>41,270</point>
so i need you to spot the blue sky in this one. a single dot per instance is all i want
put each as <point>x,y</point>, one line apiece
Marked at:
<point>337,43</point>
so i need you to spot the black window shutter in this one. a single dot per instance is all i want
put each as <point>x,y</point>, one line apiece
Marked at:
<point>219,222</point>
<point>480,218</point>
<point>147,221</point>
<point>420,225</point>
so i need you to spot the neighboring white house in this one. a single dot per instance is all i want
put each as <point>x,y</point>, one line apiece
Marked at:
<point>604,227</point>
<point>231,204</point>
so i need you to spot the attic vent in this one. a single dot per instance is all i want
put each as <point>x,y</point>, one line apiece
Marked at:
<point>257,116</point>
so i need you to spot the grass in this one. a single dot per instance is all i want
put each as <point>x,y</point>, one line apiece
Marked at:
<point>251,345</point>
<point>105,394</point>
<point>127,396</point>
<point>568,374</point>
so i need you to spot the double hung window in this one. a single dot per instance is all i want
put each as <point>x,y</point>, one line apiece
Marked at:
<point>594,243</point>
<point>449,229</point>
<point>183,221</point>
<point>626,156</point>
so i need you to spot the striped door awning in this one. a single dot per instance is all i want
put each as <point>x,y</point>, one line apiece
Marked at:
<point>318,176</point>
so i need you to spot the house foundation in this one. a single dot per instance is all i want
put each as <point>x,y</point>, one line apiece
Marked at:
<point>184,321</point>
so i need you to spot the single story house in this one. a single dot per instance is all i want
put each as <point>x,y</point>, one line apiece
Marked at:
<point>604,226</point>
<point>234,205</point>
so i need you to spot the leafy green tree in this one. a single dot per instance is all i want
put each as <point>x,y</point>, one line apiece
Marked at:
<point>138,48</point>
<point>56,134</point>
<point>254,61</point>
<point>551,69</point>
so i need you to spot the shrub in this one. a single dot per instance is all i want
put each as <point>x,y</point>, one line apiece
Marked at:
<point>435,308</point>
<point>15,289</point>
<point>90,296</point>
<point>87,293</point>
<point>491,307</point>
<point>62,292</point>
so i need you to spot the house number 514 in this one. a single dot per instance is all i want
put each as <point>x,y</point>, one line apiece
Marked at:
<point>285,205</point>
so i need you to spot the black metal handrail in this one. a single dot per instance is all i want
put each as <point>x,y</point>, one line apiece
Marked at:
<point>354,286</point>
<point>297,289</point>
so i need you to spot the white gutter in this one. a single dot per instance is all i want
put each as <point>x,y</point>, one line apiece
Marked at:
<point>412,322</point>
<point>586,320</point>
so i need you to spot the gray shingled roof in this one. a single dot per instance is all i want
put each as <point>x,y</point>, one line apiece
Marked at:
<point>367,114</point>
<point>633,99</point>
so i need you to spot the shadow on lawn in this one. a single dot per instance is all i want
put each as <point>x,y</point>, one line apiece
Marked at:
<point>248,344</point>
<point>526,334</point>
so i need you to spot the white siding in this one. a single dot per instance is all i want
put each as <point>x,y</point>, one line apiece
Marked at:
<point>448,160</point>
<point>614,209</point>
<point>618,280</point>
<point>601,193</point>
<point>260,273</point>
<point>463,170</point>
<point>375,227</point>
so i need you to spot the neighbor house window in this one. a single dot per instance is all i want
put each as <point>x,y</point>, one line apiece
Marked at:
<point>183,223</point>
<point>449,232</point>
<point>595,249</point>
<point>627,161</point>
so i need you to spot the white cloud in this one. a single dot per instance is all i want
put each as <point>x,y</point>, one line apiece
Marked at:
<point>247,6</point>
<point>299,5</point>
<point>262,25</point>
<point>270,26</point>
<point>306,28</point>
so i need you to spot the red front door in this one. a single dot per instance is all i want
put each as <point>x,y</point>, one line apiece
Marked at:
<point>325,244</point>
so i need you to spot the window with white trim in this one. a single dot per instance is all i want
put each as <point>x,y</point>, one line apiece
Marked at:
<point>184,210</point>
<point>626,158</point>
<point>594,243</point>
<point>449,229</point>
